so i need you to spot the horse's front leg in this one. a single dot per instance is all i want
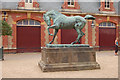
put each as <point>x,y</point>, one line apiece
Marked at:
<point>52,27</point>
<point>55,33</point>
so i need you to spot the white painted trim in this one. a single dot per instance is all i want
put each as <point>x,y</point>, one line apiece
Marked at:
<point>107,12</point>
<point>21,7</point>
<point>72,10</point>
<point>71,5</point>
<point>86,33</point>
<point>94,35</point>
<point>76,13</point>
<point>107,27</point>
<point>107,8</point>
<point>9,48</point>
<point>35,8</point>
<point>28,23</point>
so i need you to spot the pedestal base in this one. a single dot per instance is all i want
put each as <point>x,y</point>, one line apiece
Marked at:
<point>68,66</point>
<point>68,59</point>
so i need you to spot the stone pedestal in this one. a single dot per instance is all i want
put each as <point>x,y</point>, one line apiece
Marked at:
<point>68,59</point>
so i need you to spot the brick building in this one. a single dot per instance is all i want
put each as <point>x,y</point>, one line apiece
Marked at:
<point>30,30</point>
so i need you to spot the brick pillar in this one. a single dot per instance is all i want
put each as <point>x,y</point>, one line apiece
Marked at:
<point>43,34</point>
<point>89,32</point>
<point>97,36</point>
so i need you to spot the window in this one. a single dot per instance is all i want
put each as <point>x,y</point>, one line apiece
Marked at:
<point>19,22</point>
<point>106,24</point>
<point>37,23</point>
<point>31,22</point>
<point>71,2</point>
<point>107,3</point>
<point>25,22</point>
<point>28,1</point>
<point>28,22</point>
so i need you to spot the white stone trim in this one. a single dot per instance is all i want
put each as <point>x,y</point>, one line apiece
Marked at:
<point>46,34</point>
<point>28,23</point>
<point>93,35</point>
<point>21,7</point>
<point>107,12</point>
<point>10,42</point>
<point>9,48</point>
<point>86,33</point>
<point>71,10</point>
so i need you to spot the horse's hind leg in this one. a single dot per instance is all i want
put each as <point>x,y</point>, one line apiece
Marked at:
<point>55,33</point>
<point>78,27</point>
<point>79,36</point>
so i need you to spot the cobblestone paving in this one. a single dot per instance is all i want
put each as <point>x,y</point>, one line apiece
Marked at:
<point>25,65</point>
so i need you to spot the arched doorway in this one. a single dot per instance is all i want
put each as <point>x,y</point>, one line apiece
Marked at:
<point>28,36</point>
<point>107,35</point>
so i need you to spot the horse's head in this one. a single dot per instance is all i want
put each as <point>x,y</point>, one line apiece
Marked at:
<point>47,19</point>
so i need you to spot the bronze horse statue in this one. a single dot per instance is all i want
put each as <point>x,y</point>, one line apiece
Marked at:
<point>61,21</point>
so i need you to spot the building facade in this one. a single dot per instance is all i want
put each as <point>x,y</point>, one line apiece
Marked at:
<point>30,31</point>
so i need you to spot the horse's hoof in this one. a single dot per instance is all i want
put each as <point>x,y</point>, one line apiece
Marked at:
<point>72,43</point>
<point>49,42</point>
<point>51,34</point>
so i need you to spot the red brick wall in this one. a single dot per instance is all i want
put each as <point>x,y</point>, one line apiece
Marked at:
<point>21,3</point>
<point>89,33</point>
<point>35,16</point>
<point>16,16</point>
<point>76,5</point>
<point>102,7</point>
<point>35,4</point>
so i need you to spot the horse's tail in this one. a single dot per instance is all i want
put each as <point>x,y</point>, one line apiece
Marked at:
<point>89,17</point>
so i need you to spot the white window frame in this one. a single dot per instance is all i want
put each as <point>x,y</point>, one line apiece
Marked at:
<point>70,5</point>
<point>28,1</point>
<point>28,4</point>
<point>106,25</point>
<point>28,23</point>
<point>107,3</point>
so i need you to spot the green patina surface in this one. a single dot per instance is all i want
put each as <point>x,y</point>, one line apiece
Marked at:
<point>67,45</point>
<point>61,21</point>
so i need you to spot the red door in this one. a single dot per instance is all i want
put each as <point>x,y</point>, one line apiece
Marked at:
<point>68,36</point>
<point>28,39</point>
<point>106,38</point>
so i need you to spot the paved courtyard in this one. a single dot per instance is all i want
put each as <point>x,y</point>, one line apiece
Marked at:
<point>25,65</point>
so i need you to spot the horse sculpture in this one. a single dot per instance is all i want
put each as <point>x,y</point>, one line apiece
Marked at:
<point>61,21</point>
